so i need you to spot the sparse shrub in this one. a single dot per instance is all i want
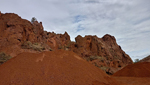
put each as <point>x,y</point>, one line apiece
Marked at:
<point>43,48</point>
<point>116,57</point>
<point>93,58</point>
<point>33,19</point>
<point>104,68</point>
<point>26,45</point>
<point>50,49</point>
<point>96,57</point>
<point>4,57</point>
<point>35,46</point>
<point>110,50</point>
<point>136,60</point>
<point>37,49</point>
<point>68,45</point>
<point>35,43</point>
<point>96,64</point>
<point>60,47</point>
<point>101,58</point>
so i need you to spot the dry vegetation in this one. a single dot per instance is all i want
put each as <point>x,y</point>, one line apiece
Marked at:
<point>35,46</point>
<point>4,57</point>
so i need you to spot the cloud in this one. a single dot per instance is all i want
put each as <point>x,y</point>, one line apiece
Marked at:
<point>127,20</point>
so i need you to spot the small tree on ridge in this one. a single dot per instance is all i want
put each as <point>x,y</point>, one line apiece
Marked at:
<point>136,60</point>
<point>33,19</point>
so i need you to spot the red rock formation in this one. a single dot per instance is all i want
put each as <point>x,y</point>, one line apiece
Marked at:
<point>108,55</point>
<point>16,32</point>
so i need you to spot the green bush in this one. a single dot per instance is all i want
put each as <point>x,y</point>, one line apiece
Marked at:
<point>4,57</point>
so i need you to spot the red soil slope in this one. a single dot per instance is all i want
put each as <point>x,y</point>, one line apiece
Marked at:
<point>133,80</point>
<point>52,68</point>
<point>140,69</point>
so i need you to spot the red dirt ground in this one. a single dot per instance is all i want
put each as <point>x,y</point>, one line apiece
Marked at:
<point>133,80</point>
<point>52,68</point>
<point>140,69</point>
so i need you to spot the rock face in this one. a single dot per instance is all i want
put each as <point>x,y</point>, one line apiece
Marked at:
<point>102,52</point>
<point>18,35</point>
<point>14,31</point>
<point>146,59</point>
<point>52,68</point>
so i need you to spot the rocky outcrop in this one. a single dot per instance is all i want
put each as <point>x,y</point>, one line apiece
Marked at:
<point>14,31</point>
<point>102,52</point>
<point>18,35</point>
<point>146,59</point>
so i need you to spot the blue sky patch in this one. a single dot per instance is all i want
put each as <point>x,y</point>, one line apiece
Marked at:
<point>80,28</point>
<point>79,18</point>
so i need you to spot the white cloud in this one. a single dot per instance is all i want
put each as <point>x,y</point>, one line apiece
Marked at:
<point>127,20</point>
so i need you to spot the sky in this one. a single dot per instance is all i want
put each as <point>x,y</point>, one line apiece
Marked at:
<point>127,20</point>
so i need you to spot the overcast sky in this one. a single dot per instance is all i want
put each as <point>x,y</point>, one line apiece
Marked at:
<point>127,20</point>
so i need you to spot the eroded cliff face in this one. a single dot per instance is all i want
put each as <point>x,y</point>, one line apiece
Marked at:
<point>103,52</point>
<point>15,31</point>
<point>18,35</point>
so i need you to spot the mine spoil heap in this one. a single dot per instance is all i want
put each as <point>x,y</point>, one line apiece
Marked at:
<point>57,67</point>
